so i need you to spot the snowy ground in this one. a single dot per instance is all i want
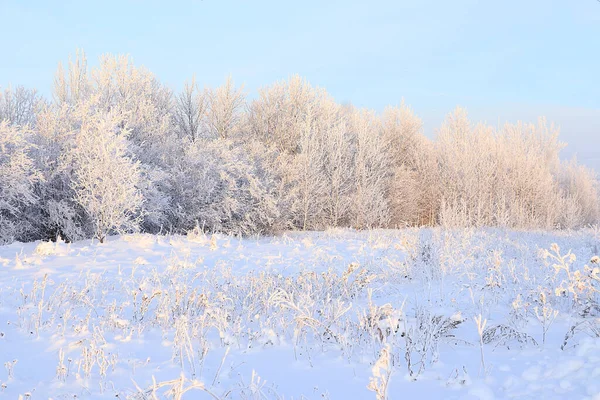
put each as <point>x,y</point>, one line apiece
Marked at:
<point>303,316</point>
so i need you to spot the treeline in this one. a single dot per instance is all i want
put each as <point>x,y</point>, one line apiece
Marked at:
<point>115,150</point>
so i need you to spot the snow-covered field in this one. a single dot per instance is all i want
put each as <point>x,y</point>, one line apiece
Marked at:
<point>330,315</point>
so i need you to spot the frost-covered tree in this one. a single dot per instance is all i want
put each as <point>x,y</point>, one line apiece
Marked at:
<point>467,161</point>
<point>580,195</point>
<point>137,102</point>
<point>72,86</point>
<point>106,179</point>
<point>528,163</point>
<point>277,118</point>
<point>131,94</point>
<point>507,178</point>
<point>144,107</point>
<point>225,106</point>
<point>19,106</point>
<point>140,102</point>
<point>412,194</point>
<point>303,124</point>
<point>372,166</point>
<point>425,175</point>
<point>18,176</point>
<point>190,111</point>
<point>402,129</point>
<point>308,183</point>
<point>338,168</point>
<point>56,212</point>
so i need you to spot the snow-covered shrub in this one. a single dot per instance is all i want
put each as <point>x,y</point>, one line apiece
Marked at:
<point>225,186</point>
<point>381,373</point>
<point>580,287</point>
<point>18,176</point>
<point>56,212</point>
<point>423,337</point>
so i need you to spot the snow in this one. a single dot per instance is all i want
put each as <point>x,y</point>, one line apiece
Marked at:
<point>300,316</point>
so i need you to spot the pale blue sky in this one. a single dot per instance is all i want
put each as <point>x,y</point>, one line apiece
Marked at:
<point>502,60</point>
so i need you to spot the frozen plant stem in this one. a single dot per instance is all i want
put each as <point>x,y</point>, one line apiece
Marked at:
<point>545,315</point>
<point>220,366</point>
<point>481,323</point>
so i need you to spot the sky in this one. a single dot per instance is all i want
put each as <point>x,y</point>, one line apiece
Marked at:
<point>502,60</point>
